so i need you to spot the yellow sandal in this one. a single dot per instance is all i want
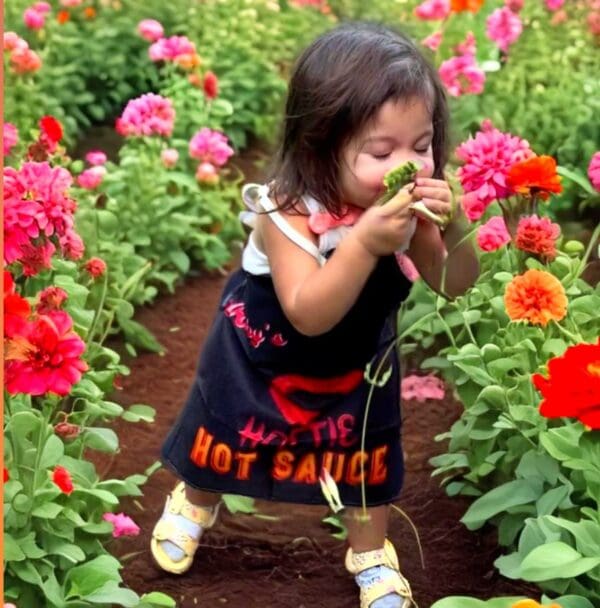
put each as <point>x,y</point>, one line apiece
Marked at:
<point>359,562</point>
<point>167,530</point>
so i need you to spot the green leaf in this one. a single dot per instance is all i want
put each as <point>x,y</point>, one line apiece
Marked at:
<point>49,510</point>
<point>12,551</point>
<point>501,498</point>
<point>53,451</point>
<point>101,439</point>
<point>138,412</point>
<point>85,579</point>
<point>102,495</point>
<point>158,599</point>
<point>111,593</point>
<point>239,504</point>
<point>555,560</point>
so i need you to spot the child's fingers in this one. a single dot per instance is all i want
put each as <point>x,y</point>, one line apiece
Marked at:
<point>438,207</point>
<point>439,193</point>
<point>399,202</point>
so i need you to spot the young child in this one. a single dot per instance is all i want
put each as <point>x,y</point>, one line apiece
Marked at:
<point>280,390</point>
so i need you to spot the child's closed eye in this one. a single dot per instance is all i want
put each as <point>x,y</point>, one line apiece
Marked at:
<point>381,156</point>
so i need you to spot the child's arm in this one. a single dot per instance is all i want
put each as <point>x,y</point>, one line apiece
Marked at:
<point>315,298</point>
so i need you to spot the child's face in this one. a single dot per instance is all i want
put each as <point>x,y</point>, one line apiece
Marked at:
<point>401,131</point>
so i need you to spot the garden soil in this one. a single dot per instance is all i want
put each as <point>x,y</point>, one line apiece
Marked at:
<point>283,556</point>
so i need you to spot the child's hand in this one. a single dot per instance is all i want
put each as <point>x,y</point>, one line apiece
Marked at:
<point>435,194</point>
<point>383,229</point>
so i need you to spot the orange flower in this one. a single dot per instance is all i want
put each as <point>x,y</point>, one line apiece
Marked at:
<point>535,176</point>
<point>535,296</point>
<point>89,12</point>
<point>63,16</point>
<point>532,604</point>
<point>458,6</point>
<point>188,61</point>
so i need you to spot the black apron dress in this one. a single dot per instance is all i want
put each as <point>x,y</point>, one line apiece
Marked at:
<point>271,408</point>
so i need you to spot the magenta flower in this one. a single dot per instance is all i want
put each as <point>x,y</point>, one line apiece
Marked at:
<point>149,114</point>
<point>468,46</point>
<point>210,146</point>
<point>150,29</point>
<point>45,357</point>
<point>123,525</point>
<point>433,41</point>
<point>168,49</point>
<point>504,28</point>
<point>91,178</point>
<point>422,388</point>
<point>594,171</point>
<point>461,75</point>
<point>431,10</point>
<point>488,157</point>
<point>49,299</point>
<point>10,137</point>
<point>71,245</point>
<point>554,5</point>
<point>95,267</point>
<point>493,234</point>
<point>95,157</point>
<point>33,19</point>
<point>169,157</point>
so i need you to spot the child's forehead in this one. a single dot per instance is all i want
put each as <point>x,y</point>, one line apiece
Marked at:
<point>397,120</point>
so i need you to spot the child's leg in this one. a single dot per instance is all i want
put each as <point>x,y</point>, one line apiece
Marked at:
<point>188,512</point>
<point>373,560</point>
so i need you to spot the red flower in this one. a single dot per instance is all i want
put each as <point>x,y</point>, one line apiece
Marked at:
<point>6,475</point>
<point>66,429</point>
<point>535,176</point>
<point>51,128</point>
<point>537,236</point>
<point>211,85</point>
<point>16,308</point>
<point>458,6</point>
<point>51,298</point>
<point>62,478</point>
<point>45,357</point>
<point>96,267</point>
<point>572,388</point>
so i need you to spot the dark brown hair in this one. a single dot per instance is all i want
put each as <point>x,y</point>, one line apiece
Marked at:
<point>337,86</point>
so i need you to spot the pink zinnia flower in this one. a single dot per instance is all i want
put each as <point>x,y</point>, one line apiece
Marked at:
<point>33,19</point>
<point>123,525</point>
<point>71,245</point>
<point>45,357</point>
<point>514,5</point>
<point>433,9</point>
<point>593,21</point>
<point>70,3</point>
<point>10,137</point>
<point>537,236</point>
<point>468,46</point>
<point>504,28</point>
<point>149,114</point>
<point>210,146</point>
<point>433,41</point>
<point>493,234</point>
<point>207,173</point>
<point>488,158</point>
<point>150,29</point>
<point>169,157</point>
<point>168,49</point>
<point>95,157</point>
<point>36,258</point>
<point>25,60</point>
<point>91,178</point>
<point>594,170</point>
<point>422,388</point>
<point>461,75</point>
<point>554,5</point>
<point>12,42</point>
<point>42,7</point>
<point>96,267</point>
